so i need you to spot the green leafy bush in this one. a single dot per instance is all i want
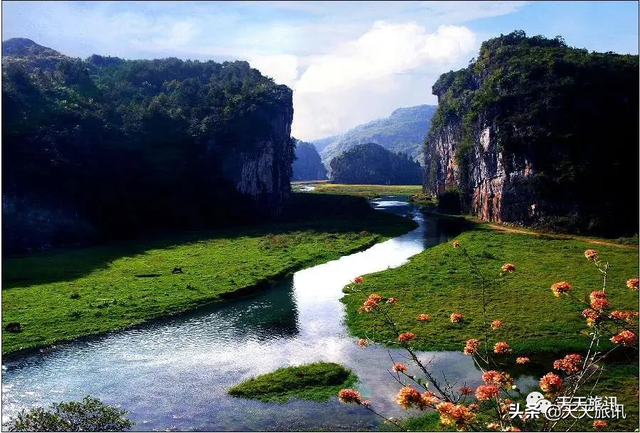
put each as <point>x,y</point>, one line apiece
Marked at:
<point>449,201</point>
<point>88,415</point>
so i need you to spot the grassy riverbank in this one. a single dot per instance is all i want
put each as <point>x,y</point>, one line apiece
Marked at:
<point>439,282</point>
<point>318,382</point>
<point>66,294</point>
<point>367,191</point>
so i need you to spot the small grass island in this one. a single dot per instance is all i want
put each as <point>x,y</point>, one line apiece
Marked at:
<point>318,382</point>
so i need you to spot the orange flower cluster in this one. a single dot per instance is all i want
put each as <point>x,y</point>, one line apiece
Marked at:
<point>551,383</point>
<point>492,376</point>
<point>409,397</point>
<point>504,405</point>
<point>591,254</point>
<point>487,392</point>
<point>399,367</point>
<point>599,300</point>
<point>501,347</point>
<point>349,396</point>
<point>459,415</point>
<point>498,379</point>
<point>627,316</point>
<point>625,338</point>
<point>593,317</point>
<point>569,364</point>
<point>493,426</point>
<point>407,336</point>
<point>522,360</point>
<point>471,347</point>
<point>497,324</point>
<point>632,283</point>
<point>600,424</point>
<point>456,244</point>
<point>371,303</point>
<point>363,342</point>
<point>456,318</point>
<point>392,301</point>
<point>561,288</point>
<point>465,390</point>
<point>423,318</point>
<point>358,280</point>
<point>508,267</point>
<point>430,398</point>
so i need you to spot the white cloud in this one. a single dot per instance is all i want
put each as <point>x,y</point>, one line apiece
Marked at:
<point>383,69</point>
<point>282,68</point>
<point>464,11</point>
<point>177,34</point>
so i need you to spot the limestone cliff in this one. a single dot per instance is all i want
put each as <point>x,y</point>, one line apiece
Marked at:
<point>537,133</point>
<point>263,170</point>
<point>495,182</point>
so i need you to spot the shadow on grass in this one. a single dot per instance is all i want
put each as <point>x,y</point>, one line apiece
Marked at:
<point>303,212</point>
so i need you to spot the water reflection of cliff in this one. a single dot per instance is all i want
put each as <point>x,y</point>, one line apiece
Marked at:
<point>267,315</point>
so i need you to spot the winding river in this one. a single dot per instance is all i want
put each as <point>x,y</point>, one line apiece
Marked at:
<point>174,373</point>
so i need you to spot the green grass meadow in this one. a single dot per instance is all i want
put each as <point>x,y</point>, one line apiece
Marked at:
<point>61,295</point>
<point>439,282</point>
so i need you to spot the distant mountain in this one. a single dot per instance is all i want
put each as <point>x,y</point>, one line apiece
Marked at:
<point>371,163</point>
<point>322,143</point>
<point>26,47</point>
<point>403,131</point>
<point>30,54</point>
<point>307,165</point>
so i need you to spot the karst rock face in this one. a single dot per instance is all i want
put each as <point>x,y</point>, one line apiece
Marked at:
<point>530,134</point>
<point>496,182</point>
<point>265,173</point>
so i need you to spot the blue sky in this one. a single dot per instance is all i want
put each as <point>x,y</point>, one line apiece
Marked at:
<point>347,62</point>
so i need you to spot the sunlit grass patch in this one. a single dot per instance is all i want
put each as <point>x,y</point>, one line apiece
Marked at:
<point>368,191</point>
<point>318,381</point>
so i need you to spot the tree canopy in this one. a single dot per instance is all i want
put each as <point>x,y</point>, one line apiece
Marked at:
<point>371,163</point>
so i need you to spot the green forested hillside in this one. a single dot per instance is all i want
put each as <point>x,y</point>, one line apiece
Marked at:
<point>373,164</point>
<point>110,146</point>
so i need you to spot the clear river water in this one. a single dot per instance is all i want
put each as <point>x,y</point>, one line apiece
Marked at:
<point>173,374</point>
